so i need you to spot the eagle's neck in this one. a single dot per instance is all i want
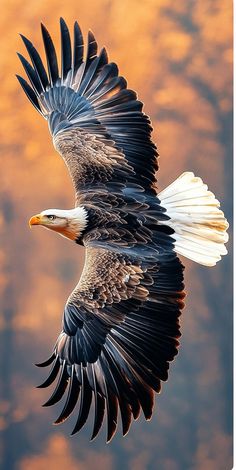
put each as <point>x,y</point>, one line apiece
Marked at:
<point>76,221</point>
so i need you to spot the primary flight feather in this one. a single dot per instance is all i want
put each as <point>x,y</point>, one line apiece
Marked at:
<point>120,324</point>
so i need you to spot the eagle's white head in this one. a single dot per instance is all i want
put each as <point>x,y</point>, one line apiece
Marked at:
<point>68,223</point>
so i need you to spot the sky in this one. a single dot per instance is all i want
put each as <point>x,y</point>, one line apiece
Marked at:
<point>178,57</point>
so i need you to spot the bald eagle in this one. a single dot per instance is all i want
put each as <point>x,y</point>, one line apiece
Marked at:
<point>121,322</point>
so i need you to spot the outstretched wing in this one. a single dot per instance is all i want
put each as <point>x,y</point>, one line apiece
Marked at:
<point>120,326</point>
<point>97,123</point>
<point>120,330</point>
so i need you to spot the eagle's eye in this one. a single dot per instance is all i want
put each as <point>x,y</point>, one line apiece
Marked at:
<point>51,217</point>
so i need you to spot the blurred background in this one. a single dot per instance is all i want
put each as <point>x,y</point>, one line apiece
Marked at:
<point>178,56</point>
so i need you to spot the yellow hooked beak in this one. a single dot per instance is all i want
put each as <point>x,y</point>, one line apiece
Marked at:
<point>35,220</point>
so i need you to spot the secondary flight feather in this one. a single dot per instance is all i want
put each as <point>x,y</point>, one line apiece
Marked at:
<point>121,322</point>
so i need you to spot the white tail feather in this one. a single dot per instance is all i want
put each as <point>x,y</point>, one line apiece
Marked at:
<point>199,225</point>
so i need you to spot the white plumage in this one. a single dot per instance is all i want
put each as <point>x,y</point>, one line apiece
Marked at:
<point>199,225</point>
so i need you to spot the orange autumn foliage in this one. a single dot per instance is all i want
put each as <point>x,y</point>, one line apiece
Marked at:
<point>178,57</point>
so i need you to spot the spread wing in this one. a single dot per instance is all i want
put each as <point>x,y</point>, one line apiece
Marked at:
<point>120,331</point>
<point>97,124</point>
<point>120,326</point>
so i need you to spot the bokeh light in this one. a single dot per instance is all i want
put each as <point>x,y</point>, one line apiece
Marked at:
<point>178,57</point>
